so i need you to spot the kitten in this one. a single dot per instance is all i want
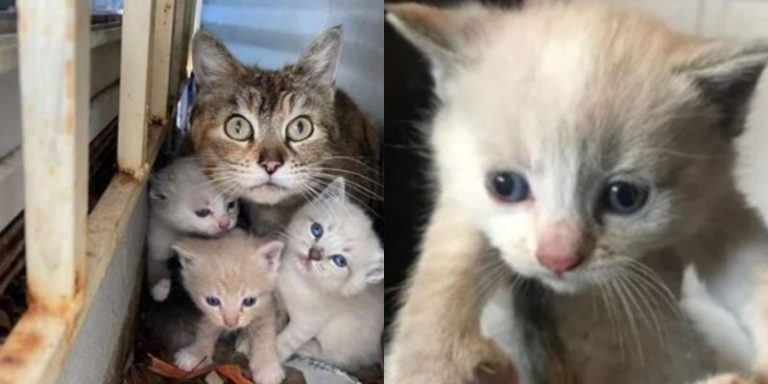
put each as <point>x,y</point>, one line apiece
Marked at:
<point>182,202</point>
<point>575,143</point>
<point>275,138</point>
<point>231,280</point>
<point>331,283</point>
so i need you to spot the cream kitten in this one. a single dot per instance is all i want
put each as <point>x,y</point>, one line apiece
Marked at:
<point>331,283</point>
<point>231,280</point>
<point>182,202</point>
<point>576,143</point>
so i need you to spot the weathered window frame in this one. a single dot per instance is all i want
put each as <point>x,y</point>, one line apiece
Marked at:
<point>68,251</point>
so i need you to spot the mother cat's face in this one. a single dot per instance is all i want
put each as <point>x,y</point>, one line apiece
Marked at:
<point>265,135</point>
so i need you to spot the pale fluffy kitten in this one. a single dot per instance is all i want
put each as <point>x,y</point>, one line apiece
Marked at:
<point>231,280</point>
<point>331,283</point>
<point>182,202</point>
<point>577,142</point>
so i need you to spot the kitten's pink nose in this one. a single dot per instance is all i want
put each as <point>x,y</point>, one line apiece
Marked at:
<point>563,245</point>
<point>230,320</point>
<point>271,166</point>
<point>224,223</point>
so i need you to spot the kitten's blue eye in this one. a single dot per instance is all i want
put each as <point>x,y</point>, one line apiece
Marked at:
<point>623,197</point>
<point>231,205</point>
<point>249,301</point>
<point>316,229</point>
<point>213,301</point>
<point>203,212</point>
<point>339,260</point>
<point>508,186</point>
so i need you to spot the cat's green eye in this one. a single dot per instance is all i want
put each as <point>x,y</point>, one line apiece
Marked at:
<point>238,128</point>
<point>299,129</point>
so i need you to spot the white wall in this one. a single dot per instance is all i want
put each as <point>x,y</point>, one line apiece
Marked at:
<point>271,33</point>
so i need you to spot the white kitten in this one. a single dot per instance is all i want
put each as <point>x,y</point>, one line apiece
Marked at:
<point>592,149</point>
<point>182,202</point>
<point>331,283</point>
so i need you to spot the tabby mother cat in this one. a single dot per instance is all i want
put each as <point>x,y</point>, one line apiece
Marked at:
<point>276,137</point>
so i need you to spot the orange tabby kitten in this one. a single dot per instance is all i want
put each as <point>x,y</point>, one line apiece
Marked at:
<point>231,280</point>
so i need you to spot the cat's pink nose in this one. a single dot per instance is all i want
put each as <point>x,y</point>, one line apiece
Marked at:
<point>271,166</point>
<point>231,320</point>
<point>563,246</point>
<point>224,223</point>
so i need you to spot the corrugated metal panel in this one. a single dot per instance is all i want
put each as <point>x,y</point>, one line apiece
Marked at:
<point>271,33</point>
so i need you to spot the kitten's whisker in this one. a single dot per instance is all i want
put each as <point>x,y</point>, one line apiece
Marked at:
<point>611,317</point>
<point>345,171</point>
<point>633,304</point>
<point>356,187</point>
<point>630,316</point>
<point>362,204</point>
<point>651,309</point>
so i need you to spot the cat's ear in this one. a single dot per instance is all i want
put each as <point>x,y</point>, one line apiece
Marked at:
<point>439,33</point>
<point>727,75</point>
<point>319,62</point>
<point>375,272</point>
<point>211,60</point>
<point>154,192</point>
<point>272,253</point>
<point>336,191</point>
<point>186,252</point>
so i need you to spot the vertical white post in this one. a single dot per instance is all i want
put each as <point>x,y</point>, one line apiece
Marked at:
<point>134,86</point>
<point>161,58</point>
<point>54,61</point>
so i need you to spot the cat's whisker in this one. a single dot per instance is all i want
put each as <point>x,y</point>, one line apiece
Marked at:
<point>651,310</point>
<point>356,186</point>
<point>356,199</point>
<point>348,158</point>
<point>623,301</point>
<point>649,276</point>
<point>346,172</point>
<point>612,316</point>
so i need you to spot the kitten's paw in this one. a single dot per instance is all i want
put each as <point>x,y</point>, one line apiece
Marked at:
<point>726,378</point>
<point>242,345</point>
<point>161,290</point>
<point>188,360</point>
<point>268,374</point>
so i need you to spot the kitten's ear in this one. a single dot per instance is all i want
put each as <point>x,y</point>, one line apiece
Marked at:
<point>727,75</point>
<point>375,273</point>
<point>154,192</point>
<point>439,33</point>
<point>186,252</point>
<point>336,191</point>
<point>212,61</point>
<point>272,252</point>
<point>319,62</point>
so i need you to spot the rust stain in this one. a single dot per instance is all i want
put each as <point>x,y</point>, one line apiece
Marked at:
<point>23,348</point>
<point>137,175</point>
<point>10,360</point>
<point>69,93</point>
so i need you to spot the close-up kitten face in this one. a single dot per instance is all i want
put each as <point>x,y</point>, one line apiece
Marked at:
<point>230,277</point>
<point>184,198</point>
<point>597,138</point>
<point>332,242</point>
<point>265,135</point>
